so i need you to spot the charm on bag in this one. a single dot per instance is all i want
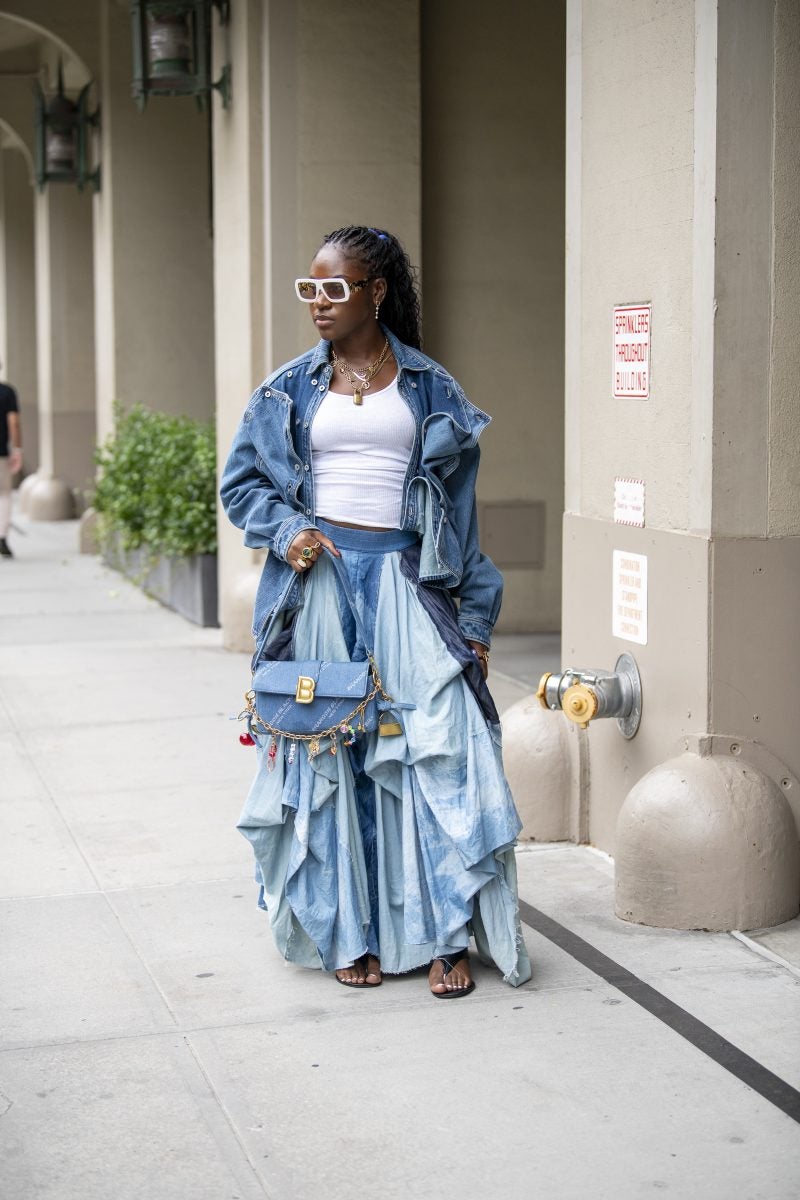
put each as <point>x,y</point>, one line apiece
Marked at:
<point>388,728</point>
<point>272,754</point>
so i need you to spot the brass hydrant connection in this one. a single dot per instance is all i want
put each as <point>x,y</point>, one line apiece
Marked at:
<point>583,695</point>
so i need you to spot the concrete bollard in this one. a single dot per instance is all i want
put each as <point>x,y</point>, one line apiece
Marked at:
<point>536,755</point>
<point>706,843</point>
<point>50,500</point>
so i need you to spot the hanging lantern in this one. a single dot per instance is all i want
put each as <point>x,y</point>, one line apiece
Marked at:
<point>169,46</point>
<point>172,50</point>
<point>62,138</point>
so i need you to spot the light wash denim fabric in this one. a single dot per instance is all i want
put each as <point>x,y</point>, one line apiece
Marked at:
<point>267,484</point>
<point>398,846</point>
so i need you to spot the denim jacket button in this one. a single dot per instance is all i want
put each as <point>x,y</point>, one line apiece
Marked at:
<point>308,512</point>
<point>297,466</point>
<point>306,468</point>
<point>313,383</point>
<point>289,374</point>
<point>413,385</point>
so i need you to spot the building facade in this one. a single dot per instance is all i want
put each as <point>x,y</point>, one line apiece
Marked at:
<point>602,197</point>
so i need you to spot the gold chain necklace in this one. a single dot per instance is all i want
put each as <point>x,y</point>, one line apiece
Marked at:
<point>360,380</point>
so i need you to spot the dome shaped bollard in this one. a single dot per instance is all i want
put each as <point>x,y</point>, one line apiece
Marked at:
<point>537,761</point>
<point>706,842</point>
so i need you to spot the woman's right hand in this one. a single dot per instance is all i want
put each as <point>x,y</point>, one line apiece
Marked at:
<point>306,548</point>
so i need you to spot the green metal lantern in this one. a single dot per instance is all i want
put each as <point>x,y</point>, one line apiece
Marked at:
<point>61,142</point>
<point>172,50</point>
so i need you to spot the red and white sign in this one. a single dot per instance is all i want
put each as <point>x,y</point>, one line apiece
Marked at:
<point>630,376</point>
<point>629,501</point>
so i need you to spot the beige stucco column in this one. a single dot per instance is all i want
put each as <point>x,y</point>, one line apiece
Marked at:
<point>17,288</point>
<point>686,200</point>
<point>65,351</point>
<point>64,368</point>
<point>153,256</point>
<point>493,238</point>
<point>239,281</point>
<point>293,158</point>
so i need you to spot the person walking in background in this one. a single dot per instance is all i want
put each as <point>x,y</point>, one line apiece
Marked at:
<point>383,852</point>
<point>10,459</point>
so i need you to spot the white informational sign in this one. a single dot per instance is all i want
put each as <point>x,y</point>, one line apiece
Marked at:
<point>629,597</point>
<point>629,501</point>
<point>630,377</point>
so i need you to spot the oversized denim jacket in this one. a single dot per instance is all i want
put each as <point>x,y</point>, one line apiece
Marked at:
<point>267,486</point>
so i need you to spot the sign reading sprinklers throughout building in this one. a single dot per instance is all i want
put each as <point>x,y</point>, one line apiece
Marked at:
<point>630,376</point>
<point>629,597</point>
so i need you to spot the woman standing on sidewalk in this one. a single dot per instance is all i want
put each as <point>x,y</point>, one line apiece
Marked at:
<point>386,856</point>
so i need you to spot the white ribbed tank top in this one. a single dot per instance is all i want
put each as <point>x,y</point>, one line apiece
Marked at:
<point>360,455</point>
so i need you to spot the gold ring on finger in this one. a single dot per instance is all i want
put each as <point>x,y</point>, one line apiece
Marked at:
<point>307,552</point>
<point>317,545</point>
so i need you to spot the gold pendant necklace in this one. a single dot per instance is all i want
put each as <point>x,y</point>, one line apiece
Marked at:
<point>360,380</point>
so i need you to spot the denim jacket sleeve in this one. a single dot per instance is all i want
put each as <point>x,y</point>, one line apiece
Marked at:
<point>480,590</point>
<point>253,501</point>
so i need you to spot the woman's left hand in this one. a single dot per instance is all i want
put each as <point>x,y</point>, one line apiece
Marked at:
<point>482,655</point>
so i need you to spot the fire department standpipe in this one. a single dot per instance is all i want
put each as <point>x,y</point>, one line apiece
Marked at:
<point>585,696</point>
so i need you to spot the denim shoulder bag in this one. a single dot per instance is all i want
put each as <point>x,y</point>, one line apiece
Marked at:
<point>311,700</point>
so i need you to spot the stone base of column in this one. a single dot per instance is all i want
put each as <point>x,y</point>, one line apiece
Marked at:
<point>50,500</point>
<point>238,600</point>
<point>706,842</point>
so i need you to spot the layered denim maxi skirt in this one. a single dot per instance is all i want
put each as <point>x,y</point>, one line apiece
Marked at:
<point>399,846</point>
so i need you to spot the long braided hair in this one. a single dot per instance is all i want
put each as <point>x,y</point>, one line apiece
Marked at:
<point>383,254</point>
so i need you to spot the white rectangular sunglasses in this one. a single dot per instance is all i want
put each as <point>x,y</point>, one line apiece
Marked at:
<point>336,290</point>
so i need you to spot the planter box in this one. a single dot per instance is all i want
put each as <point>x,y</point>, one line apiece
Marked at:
<point>186,585</point>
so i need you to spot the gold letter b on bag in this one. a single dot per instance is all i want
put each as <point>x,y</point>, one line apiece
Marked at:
<point>305,689</point>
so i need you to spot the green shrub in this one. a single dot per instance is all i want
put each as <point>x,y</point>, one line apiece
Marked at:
<point>157,483</point>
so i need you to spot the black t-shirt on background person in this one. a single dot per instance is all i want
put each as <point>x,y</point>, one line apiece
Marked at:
<point>8,404</point>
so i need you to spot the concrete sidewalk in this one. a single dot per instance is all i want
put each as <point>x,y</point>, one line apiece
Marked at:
<point>156,1046</point>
